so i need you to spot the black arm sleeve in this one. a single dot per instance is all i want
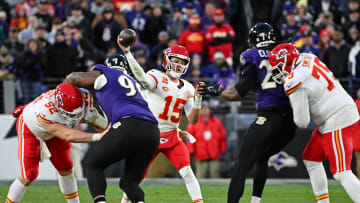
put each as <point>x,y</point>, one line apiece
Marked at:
<point>246,80</point>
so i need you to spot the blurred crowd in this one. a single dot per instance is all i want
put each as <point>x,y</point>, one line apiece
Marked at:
<point>42,39</point>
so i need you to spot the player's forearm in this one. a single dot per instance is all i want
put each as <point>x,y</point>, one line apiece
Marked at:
<point>82,79</point>
<point>300,106</point>
<point>230,95</point>
<point>194,116</point>
<point>137,70</point>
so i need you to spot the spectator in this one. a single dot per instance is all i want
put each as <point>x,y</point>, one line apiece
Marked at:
<point>137,19</point>
<point>325,38</point>
<point>336,55</point>
<point>30,70</point>
<point>302,13</point>
<point>219,37</point>
<point>356,141</point>
<point>43,16</point>
<point>327,6</point>
<point>84,5</point>
<point>97,7</point>
<point>193,39</point>
<point>7,64</point>
<point>4,26</point>
<point>156,53</point>
<point>208,18</point>
<point>118,17</point>
<point>353,35</point>
<point>41,37</point>
<point>354,61</point>
<point>78,20</point>
<point>194,73</point>
<point>56,26</point>
<point>20,20</point>
<point>156,23</point>
<point>193,5</point>
<point>29,32</point>
<point>308,45</point>
<point>60,9</point>
<point>62,58</point>
<point>290,27</point>
<point>13,44</point>
<point>323,20</point>
<point>353,20</point>
<point>31,8</point>
<point>210,142</point>
<point>106,31</point>
<point>189,11</point>
<point>140,56</point>
<point>176,24</point>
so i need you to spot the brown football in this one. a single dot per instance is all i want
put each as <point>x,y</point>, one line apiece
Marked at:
<point>127,37</point>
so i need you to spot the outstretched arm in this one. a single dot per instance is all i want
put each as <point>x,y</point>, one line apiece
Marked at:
<point>83,79</point>
<point>69,134</point>
<point>136,69</point>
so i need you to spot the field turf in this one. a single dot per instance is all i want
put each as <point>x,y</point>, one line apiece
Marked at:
<point>178,194</point>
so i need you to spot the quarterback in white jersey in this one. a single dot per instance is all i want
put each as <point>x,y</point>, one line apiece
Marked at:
<point>317,95</point>
<point>167,95</point>
<point>44,129</point>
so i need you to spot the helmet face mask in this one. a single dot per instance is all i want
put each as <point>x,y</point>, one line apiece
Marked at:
<point>70,104</point>
<point>283,59</point>
<point>172,55</point>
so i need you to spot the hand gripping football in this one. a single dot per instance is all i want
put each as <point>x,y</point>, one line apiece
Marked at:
<point>127,37</point>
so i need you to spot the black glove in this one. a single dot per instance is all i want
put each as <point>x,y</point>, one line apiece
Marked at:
<point>214,90</point>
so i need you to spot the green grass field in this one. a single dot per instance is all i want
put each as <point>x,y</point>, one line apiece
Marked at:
<point>178,194</point>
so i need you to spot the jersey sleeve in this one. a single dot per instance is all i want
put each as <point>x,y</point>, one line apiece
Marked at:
<point>153,78</point>
<point>293,81</point>
<point>47,112</point>
<point>246,58</point>
<point>300,105</point>
<point>88,98</point>
<point>190,102</point>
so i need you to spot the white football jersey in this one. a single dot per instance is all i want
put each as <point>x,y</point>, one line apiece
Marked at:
<point>167,99</point>
<point>43,107</point>
<point>331,107</point>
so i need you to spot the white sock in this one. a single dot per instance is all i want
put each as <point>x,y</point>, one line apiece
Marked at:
<point>318,180</point>
<point>68,187</point>
<point>16,191</point>
<point>125,199</point>
<point>350,183</point>
<point>192,184</point>
<point>255,199</point>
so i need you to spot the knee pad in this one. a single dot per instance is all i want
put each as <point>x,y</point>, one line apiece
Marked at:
<point>32,174</point>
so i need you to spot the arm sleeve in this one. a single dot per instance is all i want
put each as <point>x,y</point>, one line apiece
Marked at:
<point>246,80</point>
<point>300,104</point>
<point>147,81</point>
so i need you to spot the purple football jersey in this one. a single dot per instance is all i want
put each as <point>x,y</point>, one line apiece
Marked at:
<point>121,96</point>
<point>268,92</point>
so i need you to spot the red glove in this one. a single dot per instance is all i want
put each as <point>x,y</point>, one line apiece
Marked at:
<point>17,111</point>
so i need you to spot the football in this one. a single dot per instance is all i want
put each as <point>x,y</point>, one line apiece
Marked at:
<point>127,37</point>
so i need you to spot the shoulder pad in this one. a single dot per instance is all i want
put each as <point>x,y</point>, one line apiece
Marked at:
<point>295,79</point>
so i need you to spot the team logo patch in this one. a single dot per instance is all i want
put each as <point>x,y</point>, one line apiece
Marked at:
<point>260,120</point>
<point>59,100</point>
<point>281,54</point>
<point>165,80</point>
<point>165,89</point>
<point>116,125</point>
<point>242,60</point>
<point>163,140</point>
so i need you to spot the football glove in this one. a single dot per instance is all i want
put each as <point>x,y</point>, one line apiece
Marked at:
<point>208,89</point>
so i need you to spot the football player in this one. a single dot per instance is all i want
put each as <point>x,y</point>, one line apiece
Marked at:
<point>134,135</point>
<point>44,129</point>
<point>316,94</point>
<point>167,96</point>
<point>273,128</point>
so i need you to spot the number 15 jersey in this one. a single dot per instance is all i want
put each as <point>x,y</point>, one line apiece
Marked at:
<point>167,99</point>
<point>331,107</point>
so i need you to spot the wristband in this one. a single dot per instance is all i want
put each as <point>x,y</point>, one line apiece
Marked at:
<point>197,103</point>
<point>96,137</point>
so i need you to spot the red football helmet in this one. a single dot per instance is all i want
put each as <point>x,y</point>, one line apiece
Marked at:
<point>176,51</point>
<point>283,59</point>
<point>69,102</point>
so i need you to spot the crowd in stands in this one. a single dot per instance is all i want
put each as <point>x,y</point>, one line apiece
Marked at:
<point>51,38</point>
